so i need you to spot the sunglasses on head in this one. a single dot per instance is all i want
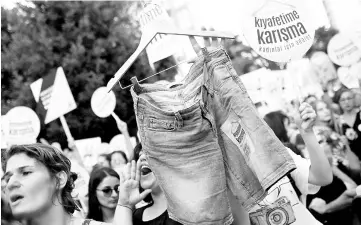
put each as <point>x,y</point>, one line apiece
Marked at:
<point>108,191</point>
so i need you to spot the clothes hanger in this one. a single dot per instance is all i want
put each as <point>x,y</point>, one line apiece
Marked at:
<point>153,28</point>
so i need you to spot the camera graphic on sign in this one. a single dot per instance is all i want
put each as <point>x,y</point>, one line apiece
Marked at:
<point>279,213</point>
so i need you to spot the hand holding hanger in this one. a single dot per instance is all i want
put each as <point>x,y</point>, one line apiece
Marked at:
<point>207,43</point>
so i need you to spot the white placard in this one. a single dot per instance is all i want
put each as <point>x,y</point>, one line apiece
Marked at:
<point>88,149</point>
<point>22,126</point>
<point>55,95</point>
<point>4,128</point>
<point>343,51</point>
<point>304,78</point>
<point>102,102</point>
<point>253,83</point>
<point>118,143</point>
<point>325,70</point>
<point>348,77</point>
<point>162,46</point>
<point>105,148</point>
<point>278,32</point>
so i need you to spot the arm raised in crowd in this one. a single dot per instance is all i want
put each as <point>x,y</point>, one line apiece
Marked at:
<point>129,194</point>
<point>123,127</point>
<point>320,171</point>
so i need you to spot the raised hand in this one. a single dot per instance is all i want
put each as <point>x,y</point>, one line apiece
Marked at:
<point>208,42</point>
<point>122,126</point>
<point>306,118</point>
<point>129,194</point>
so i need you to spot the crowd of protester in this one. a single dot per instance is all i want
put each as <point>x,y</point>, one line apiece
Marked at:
<point>324,140</point>
<point>338,136</point>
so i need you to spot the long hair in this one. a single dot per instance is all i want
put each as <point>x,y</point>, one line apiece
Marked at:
<point>276,122</point>
<point>334,123</point>
<point>55,161</point>
<point>96,177</point>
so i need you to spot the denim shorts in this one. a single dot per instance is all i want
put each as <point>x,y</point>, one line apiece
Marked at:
<point>204,138</point>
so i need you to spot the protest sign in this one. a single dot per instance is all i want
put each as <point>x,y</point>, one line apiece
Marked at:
<point>343,51</point>
<point>356,37</point>
<point>304,78</point>
<point>53,95</point>
<point>4,125</point>
<point>105,148</point>
<point>272,88</point>
<point>118,143</point>
<point>22,126</point>
<point>278,32</point>
<point>88,150</point>
<point>325,70</point>
<point>102,102</point>
<point>162,46</point>
<point>348,77</point>
<point>356,69</point>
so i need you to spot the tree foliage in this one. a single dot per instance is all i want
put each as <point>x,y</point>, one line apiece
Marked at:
<point>90,40</point>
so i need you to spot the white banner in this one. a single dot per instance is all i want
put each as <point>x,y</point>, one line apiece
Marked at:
<point>325,70</point>
<point>278,31</point>
<point>118,143</point>
<point>22,126</point>
<point>55,96</point>
<point>102,102</point>
<point>162,46</point>
<point>343,51</point>
<point>88,149</point>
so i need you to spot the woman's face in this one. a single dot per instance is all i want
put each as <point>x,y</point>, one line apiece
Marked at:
<point>30,188</point>
<point>107,192</point>
<point>147,178</point>
<point>117,160</point>
<point>323,113</point>
<point>347,101</point>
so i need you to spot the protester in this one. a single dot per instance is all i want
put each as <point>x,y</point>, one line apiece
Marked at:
<point>282,205</point>
<point>39,186</point>
<point>351,121</point>
<point>343,157</point>
<point>103,194</point>
<point>332,205</point>
<point>7,217</point>
<point>140,183</point>
<point>281,126</point>
<point>118,161</point>
<point>155,212</point>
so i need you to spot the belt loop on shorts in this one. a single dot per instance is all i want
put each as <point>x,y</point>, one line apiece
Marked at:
<point>206,55</point>
<point>179,119</point>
